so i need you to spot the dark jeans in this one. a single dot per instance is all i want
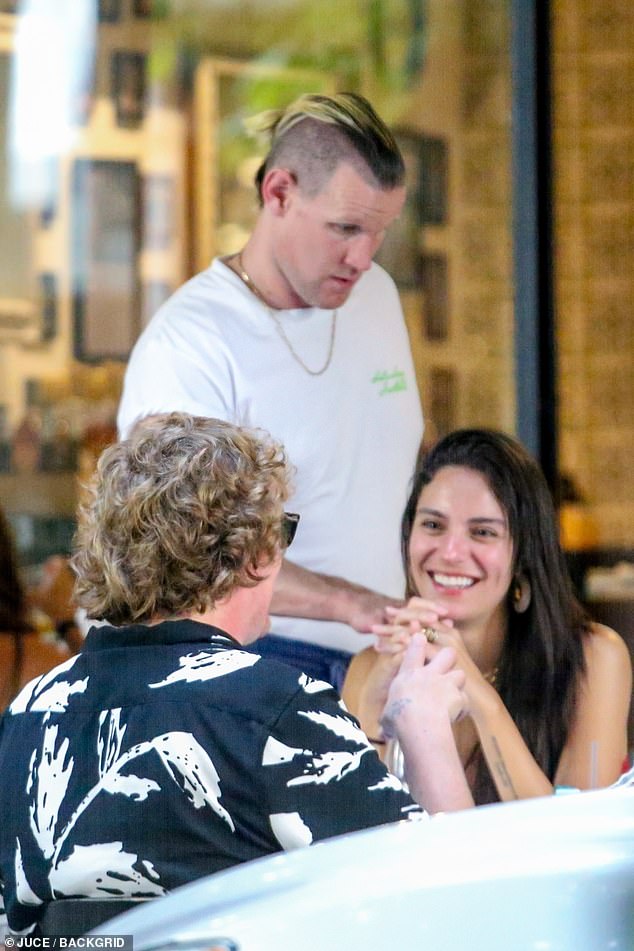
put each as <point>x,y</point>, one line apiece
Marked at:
<point>322,663</point>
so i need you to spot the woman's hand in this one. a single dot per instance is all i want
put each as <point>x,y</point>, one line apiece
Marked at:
<point>418,615</point>
<point>394,636</point>
<point>392,640</point>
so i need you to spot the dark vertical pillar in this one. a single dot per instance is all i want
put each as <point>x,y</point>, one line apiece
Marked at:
<point>535,341</point>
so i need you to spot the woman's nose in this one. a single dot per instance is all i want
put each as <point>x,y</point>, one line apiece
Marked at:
<point>453,546</point>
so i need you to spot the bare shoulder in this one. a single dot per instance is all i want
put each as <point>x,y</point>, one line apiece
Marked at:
<point>359,670</point>
<point>606,652</point>
<point>363,662</point>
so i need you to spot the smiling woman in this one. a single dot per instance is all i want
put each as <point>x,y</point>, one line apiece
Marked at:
<point>548,689</point>
<point>460,549</point>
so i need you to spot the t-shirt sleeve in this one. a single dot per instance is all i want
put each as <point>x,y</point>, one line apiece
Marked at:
<point>170,376</point>
<point>322,775</point>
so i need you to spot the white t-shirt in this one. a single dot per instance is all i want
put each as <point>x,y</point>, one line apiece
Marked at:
<point>352,433</point>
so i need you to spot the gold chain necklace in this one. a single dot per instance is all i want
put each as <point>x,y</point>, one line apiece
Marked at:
<point>280,329</point>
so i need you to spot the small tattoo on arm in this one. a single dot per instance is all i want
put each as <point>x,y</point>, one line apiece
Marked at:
<point>391,713</point>
<point>397,707</point>
<point>501,770</point>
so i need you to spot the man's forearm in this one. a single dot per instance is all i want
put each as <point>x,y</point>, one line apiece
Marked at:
<point>434,772</point>
<point>308,594</point>
<point>425,698</point>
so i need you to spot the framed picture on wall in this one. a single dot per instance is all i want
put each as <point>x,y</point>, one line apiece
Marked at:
<point>426,179</point>
<point>48,306</point>
<point>435,284</point>
<point>432,187</point>
<point>108,11</point>
<point>400,252</point>
<point>105,248</point>
<point>442,399</point>
<point>128,87</point>
<point>19,315</point>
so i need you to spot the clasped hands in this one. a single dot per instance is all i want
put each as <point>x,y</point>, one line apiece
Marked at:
<point>418,675</point>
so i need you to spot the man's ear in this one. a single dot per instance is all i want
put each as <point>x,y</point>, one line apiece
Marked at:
<point>278,186</point>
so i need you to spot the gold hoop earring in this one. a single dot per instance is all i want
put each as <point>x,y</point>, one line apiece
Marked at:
<point>521,594</point>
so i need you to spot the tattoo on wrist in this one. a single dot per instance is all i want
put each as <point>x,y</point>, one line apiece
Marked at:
<point>499,767</point>
<point>391,714</point>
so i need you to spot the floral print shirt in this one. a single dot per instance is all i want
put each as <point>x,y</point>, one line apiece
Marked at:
<point>160,754</point>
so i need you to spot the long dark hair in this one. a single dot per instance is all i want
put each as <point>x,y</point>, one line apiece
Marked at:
<point>13,606</point>
<point>542,657</point>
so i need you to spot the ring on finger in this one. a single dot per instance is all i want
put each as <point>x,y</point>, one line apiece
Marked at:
<point>431,634</point>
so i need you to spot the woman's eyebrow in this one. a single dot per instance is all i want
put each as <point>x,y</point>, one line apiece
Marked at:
<point>425,509</point>
<point>488,520</point>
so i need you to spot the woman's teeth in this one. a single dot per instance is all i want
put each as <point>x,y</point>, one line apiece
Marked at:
<point>452,581</point>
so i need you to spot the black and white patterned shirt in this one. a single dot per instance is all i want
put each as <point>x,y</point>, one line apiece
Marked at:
<point>163,753</point>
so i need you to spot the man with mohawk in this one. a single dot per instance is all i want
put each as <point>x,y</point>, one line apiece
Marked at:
<point>302,334</point>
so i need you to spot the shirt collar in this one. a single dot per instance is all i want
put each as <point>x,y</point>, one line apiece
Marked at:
<point>184,631</point>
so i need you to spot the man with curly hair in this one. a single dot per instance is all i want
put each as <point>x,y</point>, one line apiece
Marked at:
<point>165,751</point>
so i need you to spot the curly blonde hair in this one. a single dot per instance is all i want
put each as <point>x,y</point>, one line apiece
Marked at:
<point>176,517</point>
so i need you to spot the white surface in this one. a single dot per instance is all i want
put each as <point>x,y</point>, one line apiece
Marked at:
<point>553,874</point>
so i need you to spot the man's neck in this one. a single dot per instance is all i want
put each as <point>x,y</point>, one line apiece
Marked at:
<point>257,267</point>
<point>233,614</point>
